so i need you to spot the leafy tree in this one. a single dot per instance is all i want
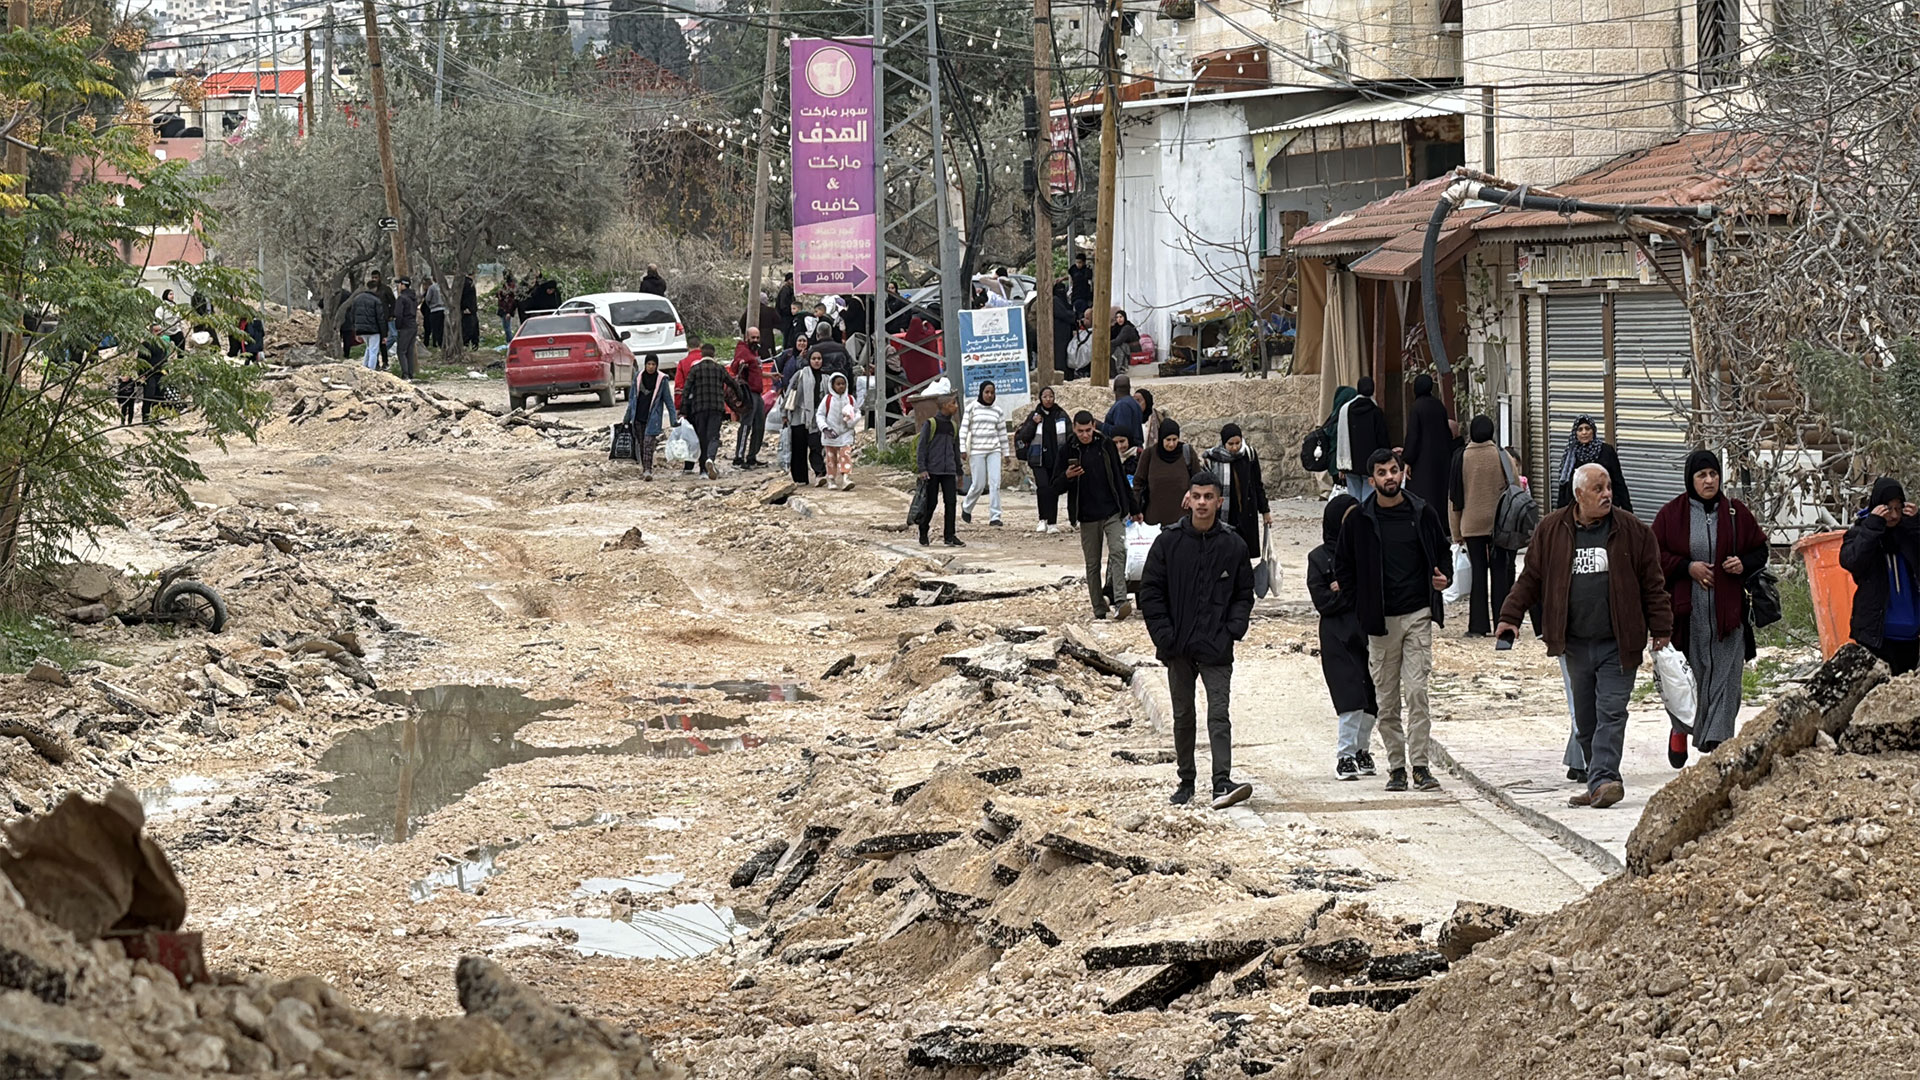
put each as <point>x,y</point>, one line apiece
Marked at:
<point>648,33</point>
<point>75,315</point>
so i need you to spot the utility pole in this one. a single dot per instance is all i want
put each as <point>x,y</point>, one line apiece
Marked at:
<point>306,47</point>
<point>754,262</point>
<point>383,131</point>
<point>1103,223</point>
<point>1042,224</point>
<point>440,61</point>
<point>326,74</point>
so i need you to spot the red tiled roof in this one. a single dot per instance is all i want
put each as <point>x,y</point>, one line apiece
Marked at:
<point>242,83</point>
<point>1685,172</point>
<point>1399,221</point>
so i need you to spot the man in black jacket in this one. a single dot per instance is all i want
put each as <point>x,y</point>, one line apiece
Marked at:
<point>1104,501</point>
<point>381,289</point>
<point>1393,560</point>
<point>366,319</point>
<point>1196,594</point>
<point>783,310</point>
<point>406,324</point>
<point>1882,552</point>
<point>1362,431</point>
<point>652,282</point>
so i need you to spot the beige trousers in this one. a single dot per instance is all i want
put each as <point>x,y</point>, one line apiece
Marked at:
<point>1401,661</point>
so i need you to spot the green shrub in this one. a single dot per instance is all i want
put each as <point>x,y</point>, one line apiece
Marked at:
<point>25,638</point>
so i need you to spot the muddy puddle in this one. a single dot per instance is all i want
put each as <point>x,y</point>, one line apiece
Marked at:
<point>390,777</point>
<point>746,690</point>
<point>694,721</point>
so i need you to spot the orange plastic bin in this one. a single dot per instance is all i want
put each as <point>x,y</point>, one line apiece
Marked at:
<point>1832,588</point>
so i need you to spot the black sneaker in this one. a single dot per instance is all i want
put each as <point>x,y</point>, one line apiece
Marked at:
<point>1397,780</point>
<point>1346,770</point>
<point>1231,795</point>
<point>996,524</point>
<point>1423,780</point>
<point>923,539</point>
<point>1182,795</point>
<point>1578,776</point>
<point>966,516</point>
<point>1364,760</point>
<point>954,541</point>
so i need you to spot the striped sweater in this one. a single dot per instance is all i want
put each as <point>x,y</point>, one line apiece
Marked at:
<point>986,431</point>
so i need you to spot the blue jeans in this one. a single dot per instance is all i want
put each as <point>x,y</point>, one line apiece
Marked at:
<point>1356,732</point>
<point>1358,487</point>
<point>506,324</point>
<point>372,355</point>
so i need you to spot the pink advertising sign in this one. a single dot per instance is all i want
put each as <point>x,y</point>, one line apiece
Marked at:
<point>836,135</point>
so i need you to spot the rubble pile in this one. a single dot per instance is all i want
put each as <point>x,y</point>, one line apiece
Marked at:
<point>1773,942</point>
<point>327,406</point>
<point>75,1005</point>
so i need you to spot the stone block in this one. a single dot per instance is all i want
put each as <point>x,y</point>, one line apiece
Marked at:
<point>1685,807</point>
<point>1887,719</point>
<point>1472,923</point>
<point>1223,935</point>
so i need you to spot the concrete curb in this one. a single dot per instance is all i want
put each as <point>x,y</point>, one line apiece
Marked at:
<point>1602,859</point>
<point>1152,695</point>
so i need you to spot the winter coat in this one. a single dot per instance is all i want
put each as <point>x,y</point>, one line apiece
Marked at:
<point>939,451</point>
<point>1125,418</point>
<point>385,293</point>
<point>1428,449</point>
<point>505,302</point>
<point>1611,459</point>
<point>1343,645</point>
<point>406,311</point>
<point>365,315</point>
<point>1357,562</point>
<point>1243,498</point>
<point>835,357</point>
<point>806,387</point>
<point>837,428</point>
<point>1196,592</point>
<point>655,284</point>
<point>1118,489</point>
<point>434,301</point>
<point>656,404</point>
<point>1123,340</point>
<point>1474,489</point>
<point>1880,558</point>
<point>1636,588</point>
<point>1042,429</point>
<point>1363,429</point>
<point>1737,534</point>
<point>747,369</point>
<point>1160,487</point>
<point>707,385</point>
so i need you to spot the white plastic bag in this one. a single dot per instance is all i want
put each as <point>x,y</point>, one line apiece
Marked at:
<point>1462,582</point>
<point>1140,538</point>
<point>683,444</point>
<point>1674,677</point>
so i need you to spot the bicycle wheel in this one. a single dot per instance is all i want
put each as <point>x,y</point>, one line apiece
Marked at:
<point>189,603</point>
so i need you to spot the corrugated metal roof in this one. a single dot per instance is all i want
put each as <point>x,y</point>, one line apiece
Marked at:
<point>1400,215</point>
<point>1436,103</point>
<point>1685,172</point>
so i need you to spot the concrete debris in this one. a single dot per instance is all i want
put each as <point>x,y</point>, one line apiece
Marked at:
<point>1153,986</point>
<point>994,660</point>
<point>1887,719</point>
<point>88,613</point>
<point>1405,967</point>
<point>1217,936</point>
<point>1347,954</point>
<point>759,864</point>
<point>1377,998</point>
<point>87,867</point>
<point>956,1046</point>
<point>817,951</point>
<point>1079,644</point>
<point>1473,923</point>
<point>46,671</point>
<point>1686,806</point>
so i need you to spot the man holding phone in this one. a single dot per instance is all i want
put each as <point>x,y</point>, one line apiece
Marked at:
<point>1105,501</point>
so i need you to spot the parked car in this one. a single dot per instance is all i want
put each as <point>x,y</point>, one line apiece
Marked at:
<point>652,321</point>
<point>572,353</point>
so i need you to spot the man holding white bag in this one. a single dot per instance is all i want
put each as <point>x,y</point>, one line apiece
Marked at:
<point>1596,572</point>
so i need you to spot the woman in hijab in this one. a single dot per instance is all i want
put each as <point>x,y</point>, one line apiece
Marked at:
<point>1709,544</point>
<point>803,419</point>
<point>1584,448</point>
<point>651,399</point>
<point>1149,423</point>
<point>1343,649</point>
<point>1038,441</point>
<point>1243,493</point>
<point>838,420</point>
<point>1428,450</point>
<point>1161,478</point>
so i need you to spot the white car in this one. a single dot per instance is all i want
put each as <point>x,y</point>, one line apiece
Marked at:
<point>647,322</point>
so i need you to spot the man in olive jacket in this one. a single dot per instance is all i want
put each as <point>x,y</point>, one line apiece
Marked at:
<point>1196,594</point>
<point>1595,569</point>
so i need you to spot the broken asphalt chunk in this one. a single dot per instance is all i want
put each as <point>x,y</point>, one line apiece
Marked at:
<point>817,950</point>
<point>759,864</point>
<point>963,1046</point>
<point>1152,986</point>
<point>1405,967</point>
<point>1472,923</point>
<point>1377,998</point>
<point>1347,955</point>
<point>887,845</point>
<point>1220,935</point>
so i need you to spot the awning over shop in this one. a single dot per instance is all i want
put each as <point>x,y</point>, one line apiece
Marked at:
<point>1388,234</point>
<point>1686,171</point>
<point>1350,126</point>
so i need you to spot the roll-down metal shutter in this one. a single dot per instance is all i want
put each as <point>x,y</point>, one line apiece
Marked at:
<point>1576,374</point>
<point>1652,394</point>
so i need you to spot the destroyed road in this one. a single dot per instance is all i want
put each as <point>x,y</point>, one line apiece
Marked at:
<point>744,772</point>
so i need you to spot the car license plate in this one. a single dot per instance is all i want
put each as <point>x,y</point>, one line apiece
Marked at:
<point>552,354</point>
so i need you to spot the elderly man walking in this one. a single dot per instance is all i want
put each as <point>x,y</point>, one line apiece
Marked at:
<point>1596,571</point>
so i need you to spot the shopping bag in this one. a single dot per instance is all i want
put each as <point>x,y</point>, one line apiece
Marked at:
<point>1674,676</point>
<point>683,444</point>
<point>1267,571</point>
<point>624,448</point>
<point>1140,538</point>
<point>922,507</point>
<point>1462,582</point>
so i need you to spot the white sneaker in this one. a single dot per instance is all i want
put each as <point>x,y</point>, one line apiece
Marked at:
<point>833,483</point>
<point>846,482</point>
<point>1053,528</point>
<point>1040,528</point>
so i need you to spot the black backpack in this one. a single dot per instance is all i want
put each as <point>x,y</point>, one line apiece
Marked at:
<point>1316,450</point>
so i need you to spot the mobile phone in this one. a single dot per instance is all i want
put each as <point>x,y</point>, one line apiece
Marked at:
<point>1503,642</point>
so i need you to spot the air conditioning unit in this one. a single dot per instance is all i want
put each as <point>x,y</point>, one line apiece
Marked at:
<point>1327,49</point>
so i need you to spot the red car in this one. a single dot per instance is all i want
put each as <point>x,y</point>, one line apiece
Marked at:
<point>572,353</point>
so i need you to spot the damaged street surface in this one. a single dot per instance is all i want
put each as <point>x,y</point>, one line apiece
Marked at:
<point>507,763</point>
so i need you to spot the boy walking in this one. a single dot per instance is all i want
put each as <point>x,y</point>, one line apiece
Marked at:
<point>1343,648</point>
<point>1196,595</point>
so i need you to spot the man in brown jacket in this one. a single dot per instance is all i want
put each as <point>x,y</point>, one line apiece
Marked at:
<point>1597,572</point>
<point>1473,496</point>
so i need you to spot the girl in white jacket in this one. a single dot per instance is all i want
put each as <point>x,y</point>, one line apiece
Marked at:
<point>839,418</point>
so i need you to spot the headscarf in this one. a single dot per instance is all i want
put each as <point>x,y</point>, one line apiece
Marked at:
<point>1579,453</point>
<point>650,380</point>
<point>1422,385</point>
<point>1481,430</point>
<point>1336,516</point>
<point>1886,490</point>
<point>981,394</point>
<point>1365,386</point>
<point>1228,431</point>
<point>1699,461</point>
<point>1168,427</point>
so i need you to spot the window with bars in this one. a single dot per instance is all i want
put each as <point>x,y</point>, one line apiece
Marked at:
<point>1719,42</point>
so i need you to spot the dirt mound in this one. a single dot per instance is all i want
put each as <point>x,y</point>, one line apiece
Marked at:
<point>1771,945</point>
<point>328,406</point>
